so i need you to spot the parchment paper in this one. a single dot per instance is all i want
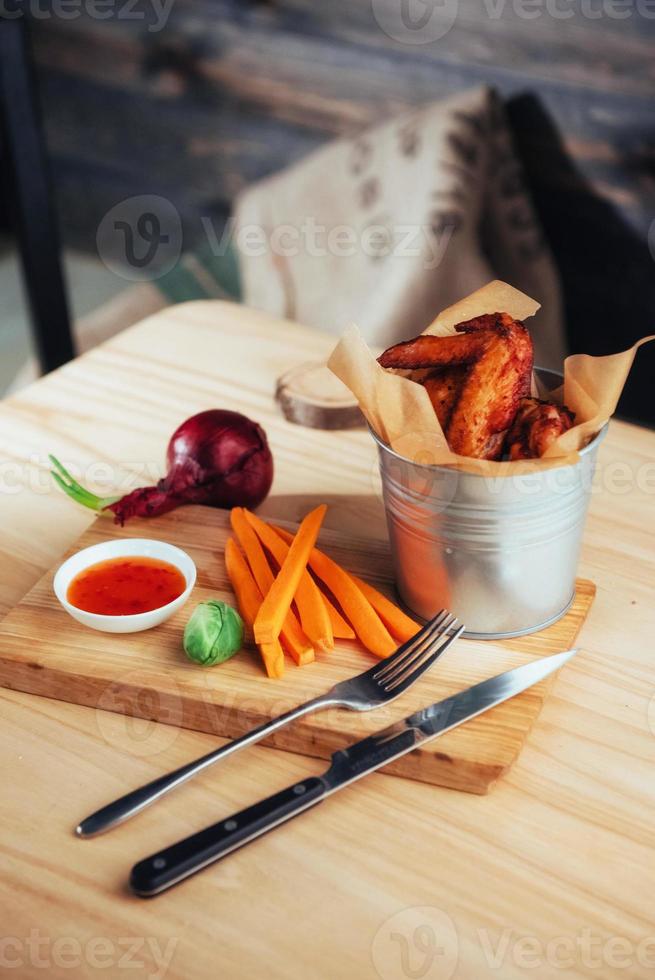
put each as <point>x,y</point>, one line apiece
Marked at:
<point>400,412</point>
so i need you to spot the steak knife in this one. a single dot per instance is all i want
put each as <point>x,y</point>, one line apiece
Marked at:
<point>160,871</point>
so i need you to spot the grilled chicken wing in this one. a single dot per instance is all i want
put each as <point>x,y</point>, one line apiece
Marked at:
<point>536,426</point>
<point>496,353</point>
<point>443,387</point>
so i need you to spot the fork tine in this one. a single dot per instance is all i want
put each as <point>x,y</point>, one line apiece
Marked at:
<point>430,627</point>
<point>420,650</point>
<point>401,683</point>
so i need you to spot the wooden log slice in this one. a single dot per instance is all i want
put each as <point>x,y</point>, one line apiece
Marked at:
<point>311,395</point>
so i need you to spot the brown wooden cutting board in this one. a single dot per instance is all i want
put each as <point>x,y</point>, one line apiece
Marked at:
<point>44,651</point>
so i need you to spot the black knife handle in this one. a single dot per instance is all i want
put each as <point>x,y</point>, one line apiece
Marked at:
<point>160,871</point>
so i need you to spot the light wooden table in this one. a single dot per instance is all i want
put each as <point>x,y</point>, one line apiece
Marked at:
<point>551,875</point>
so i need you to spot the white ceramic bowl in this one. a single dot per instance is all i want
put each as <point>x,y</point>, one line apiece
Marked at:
<point>143,547</point>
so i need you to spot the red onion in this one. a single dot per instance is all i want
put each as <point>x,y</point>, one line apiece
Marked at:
<point>218,458</point>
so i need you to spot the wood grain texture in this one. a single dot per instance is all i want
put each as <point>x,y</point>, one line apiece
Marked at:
<point>44,651</point>
<point>311,395</point>
<point>562,849</point>
<point>256,91</point>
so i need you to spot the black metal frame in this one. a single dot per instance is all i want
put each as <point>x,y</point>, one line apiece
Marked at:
<point>26,185</point>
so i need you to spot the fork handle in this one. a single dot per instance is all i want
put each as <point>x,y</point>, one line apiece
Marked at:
<point>132,803</point>
<point>160,871</point>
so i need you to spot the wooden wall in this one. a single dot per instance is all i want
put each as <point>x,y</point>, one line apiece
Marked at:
<point>230,90</point>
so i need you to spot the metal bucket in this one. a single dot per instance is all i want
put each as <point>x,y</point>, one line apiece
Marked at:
<point>499,552</point>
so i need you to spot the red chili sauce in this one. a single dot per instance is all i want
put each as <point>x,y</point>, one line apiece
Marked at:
<point>125,586</point>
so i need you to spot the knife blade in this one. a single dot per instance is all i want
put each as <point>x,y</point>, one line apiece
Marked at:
<point>177,862</point>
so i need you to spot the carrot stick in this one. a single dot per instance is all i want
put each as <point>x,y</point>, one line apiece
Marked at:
<point>249,600</point>
<point>292,636</point>
<point>245,588</point>
<point>367,624</point>
<point>313,612</point>
<point>273,657</point>
<point>341,629</point>
<point>399,624</point>
<point>252,549</point>
<point>279,597</point>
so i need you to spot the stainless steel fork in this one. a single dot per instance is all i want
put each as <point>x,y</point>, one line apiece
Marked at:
<point>379,685</point>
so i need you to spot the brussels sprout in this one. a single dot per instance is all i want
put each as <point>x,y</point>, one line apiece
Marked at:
<point>213,634</point>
